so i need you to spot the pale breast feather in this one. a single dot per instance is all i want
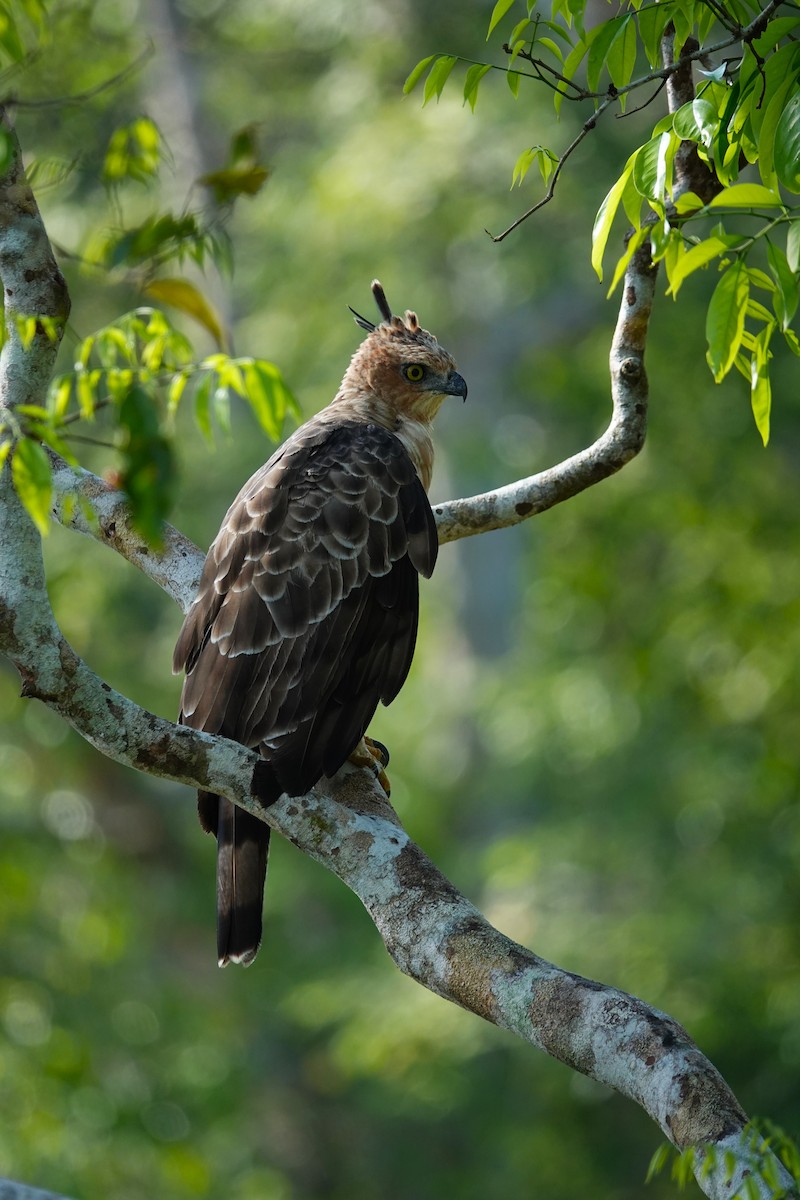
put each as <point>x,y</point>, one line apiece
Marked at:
<point>307,611</point>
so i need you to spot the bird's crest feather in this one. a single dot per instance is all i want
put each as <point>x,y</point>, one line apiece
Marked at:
<point>409,322</point>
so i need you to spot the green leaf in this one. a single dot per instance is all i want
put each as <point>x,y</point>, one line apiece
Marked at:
<point>786,294</point>
<point>605,218</point>
<point>688,202</point>
<point>512,79</point>
<point>659,1160</point>
<point>177,386</point>
<point>760,386</point>
<point>634,242</point>
<point>498,12</point>
<point>793,244</point>
<point>244,174</point>
<point>148,473</point>
<point>765,139</point>
<point>523,164</point>
<point>183,295</point>
<point>573,61</point>
<point>778,27</point>
<point>415,76</point>
<point>230,182</point>
<point>651,167</point>
<point>699,256</point>
<point>473,78</point>
<point>621,57</point>
<point>696,121</point>
<point>747,195</point>
<point>652,22</point>
<point>552,46</point>
<point>440,72</point>
<point>725,319</point>
<point>268,395</point>
<point>10,39</point>
<point>5,448</point>
<point>134,152</point>
<point>202,407</point>
<point>600,39</point>
<point>787,145</point>
<point>30,470</point>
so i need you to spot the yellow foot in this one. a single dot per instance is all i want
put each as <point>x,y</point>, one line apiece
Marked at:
<point>372,754</point>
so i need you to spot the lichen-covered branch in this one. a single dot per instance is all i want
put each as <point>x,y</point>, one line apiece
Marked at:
<point>622,440</point>
<point>104,515</point>
<point>10,1189</point>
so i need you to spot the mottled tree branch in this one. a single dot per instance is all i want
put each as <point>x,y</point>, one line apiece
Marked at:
<point>431,931</point>
<point>11,1190</point>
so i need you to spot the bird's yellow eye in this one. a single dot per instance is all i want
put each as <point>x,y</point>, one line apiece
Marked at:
<point>414,372</point>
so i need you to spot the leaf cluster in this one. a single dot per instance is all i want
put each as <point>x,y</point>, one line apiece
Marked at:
<point>762,1139</point>
<point>744,119</point>
<point>140,367</point>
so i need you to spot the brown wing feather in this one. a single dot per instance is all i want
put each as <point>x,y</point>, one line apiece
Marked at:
<point>315,610</point>
<point>305,618</point>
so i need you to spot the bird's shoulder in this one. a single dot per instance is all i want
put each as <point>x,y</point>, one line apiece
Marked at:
<point>338,501</point>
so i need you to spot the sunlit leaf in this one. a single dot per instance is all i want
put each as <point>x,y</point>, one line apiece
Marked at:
<point>183,295</point>
<point>699,256</point>
<point>747,195</point>
<point>786,294</point>
<point>601,38</point>
<point>634,242</point>
<point>621,58</point>
<point>498,12</point>
<point>793,245</point>
<point>651,167</point>
<point>440,73</point>
<point>552,46</point>
<point>765,139</point>
<point>512,79</point>
<point>415,76</point>
<point>696,121</point>
<point>571,64</point>
<point>725,319</point>
<point>605,218</point>
<point>472,81</point>
<point>148,474</point>
<point>134,152</point>
<point>652,21</point>
<point>787,145</point>
<point>268,395</point>
<point>30,470</point>
<point>760,386</point>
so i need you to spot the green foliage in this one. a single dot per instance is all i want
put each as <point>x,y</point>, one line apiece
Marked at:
<point>31,473</point>
<point>759,1138</point>
<point>243,175</point>
<point>134,152</point>
<point>141,367</point>
<point>746,116</point>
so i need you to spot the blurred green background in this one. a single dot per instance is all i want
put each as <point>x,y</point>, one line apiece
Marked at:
<point>599,739</point>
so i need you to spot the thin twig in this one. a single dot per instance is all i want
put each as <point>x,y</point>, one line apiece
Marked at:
<point>629,112</point>
<point>90,93</point>
<point>587,127</point>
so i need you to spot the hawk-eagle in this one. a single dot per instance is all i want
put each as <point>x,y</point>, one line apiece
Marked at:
<point>306,615</point>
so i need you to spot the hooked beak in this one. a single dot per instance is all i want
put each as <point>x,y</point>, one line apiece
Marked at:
<point>456,385</point>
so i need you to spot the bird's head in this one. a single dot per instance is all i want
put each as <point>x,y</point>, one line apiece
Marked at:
<point>402,365</point>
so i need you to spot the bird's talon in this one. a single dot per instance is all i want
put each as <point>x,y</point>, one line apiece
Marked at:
<point>374,756</point>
